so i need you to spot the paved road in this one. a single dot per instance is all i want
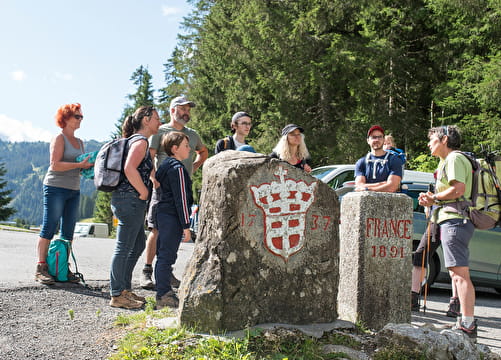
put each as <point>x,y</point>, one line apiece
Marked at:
<point>18,258</point>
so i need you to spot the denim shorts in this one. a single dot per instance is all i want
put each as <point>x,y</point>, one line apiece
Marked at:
<point>60,205</point>
<point>455,235</point>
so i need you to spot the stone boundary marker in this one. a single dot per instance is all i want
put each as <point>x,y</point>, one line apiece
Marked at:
<point>375,258</point>
<point>267,247</point>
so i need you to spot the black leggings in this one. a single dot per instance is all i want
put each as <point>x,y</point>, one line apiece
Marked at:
<point>417,257</point>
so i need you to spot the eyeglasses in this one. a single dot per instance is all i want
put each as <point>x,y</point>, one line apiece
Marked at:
<point>78,117</point>
<point>379,137</point>
<point>244,123</point>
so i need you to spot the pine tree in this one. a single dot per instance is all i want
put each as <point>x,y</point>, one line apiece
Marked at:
<point>5,199</point>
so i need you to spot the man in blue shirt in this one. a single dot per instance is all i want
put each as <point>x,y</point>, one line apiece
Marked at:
<point>378,170</point>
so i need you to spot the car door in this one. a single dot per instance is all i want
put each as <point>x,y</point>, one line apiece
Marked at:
<point>485,255</point>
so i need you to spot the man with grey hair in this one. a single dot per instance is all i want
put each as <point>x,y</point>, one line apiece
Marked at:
<point>241,124</point>
<point>179,109</point>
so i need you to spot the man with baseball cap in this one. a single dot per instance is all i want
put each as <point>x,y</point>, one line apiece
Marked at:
<point>241,124</point>
<point>180,108</point>
<point>378,170</point>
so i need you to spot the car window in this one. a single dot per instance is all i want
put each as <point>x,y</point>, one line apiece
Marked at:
<point>414,194</point>
<point>338,181</point>
<point>321,173</point>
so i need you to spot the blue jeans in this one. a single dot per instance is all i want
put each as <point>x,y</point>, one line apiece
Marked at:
<point>131,239</point>
<point>170,233</point>
<point>59,205</point>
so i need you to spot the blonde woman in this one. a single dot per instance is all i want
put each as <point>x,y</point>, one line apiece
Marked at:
<point>292,148</point>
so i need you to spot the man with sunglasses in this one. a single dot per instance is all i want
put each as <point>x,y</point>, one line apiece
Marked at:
<point>379,170</point>
<point>241,124</point>
<point>180,108</point>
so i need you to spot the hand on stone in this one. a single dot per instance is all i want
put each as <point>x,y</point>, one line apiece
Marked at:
<point>186,235</point>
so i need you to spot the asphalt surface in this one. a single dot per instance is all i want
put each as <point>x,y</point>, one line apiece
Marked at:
<point>18,261</point>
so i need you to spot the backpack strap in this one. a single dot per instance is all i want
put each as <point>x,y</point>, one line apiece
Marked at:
<point>77,274</point>
<point>383,162</point>
<point>141,137</point>
<point>228,143</point>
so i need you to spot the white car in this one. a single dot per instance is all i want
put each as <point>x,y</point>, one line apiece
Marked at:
<point>485,245</point>
<point>338,176</point>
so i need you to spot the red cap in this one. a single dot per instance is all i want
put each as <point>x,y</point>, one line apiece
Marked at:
<point>375,127</point>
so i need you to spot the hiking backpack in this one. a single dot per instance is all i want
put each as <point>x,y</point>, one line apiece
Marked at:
<point>383,162</point>
<point>109,165</point>
<point>485,208</point>
<point>58,258</point>
<point>399,153</point>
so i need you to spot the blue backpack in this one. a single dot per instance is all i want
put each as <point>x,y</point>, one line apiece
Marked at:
<point>399,153</point>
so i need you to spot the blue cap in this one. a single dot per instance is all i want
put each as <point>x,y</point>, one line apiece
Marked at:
<point>246,148</point>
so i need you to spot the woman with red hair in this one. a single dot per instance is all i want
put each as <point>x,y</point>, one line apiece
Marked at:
<point>61,187</point>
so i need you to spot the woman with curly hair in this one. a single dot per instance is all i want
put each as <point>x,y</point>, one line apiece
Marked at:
<point>61,187</point>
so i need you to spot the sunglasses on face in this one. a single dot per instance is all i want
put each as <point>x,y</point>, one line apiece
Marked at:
<point>78,117</point>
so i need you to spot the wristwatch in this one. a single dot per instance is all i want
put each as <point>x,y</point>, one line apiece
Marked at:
<point>434,197</point>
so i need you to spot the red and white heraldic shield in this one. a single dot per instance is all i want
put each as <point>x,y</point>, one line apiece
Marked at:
<point>284,204</point>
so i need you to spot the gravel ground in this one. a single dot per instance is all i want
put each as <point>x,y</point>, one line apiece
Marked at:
<point>36,322</point>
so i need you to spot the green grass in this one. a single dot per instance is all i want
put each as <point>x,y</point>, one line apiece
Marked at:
<point>185,344</point>
<point>142,343</point>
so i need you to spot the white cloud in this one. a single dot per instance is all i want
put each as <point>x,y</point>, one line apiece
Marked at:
<point>18,75</point>
<point>16,131</point>
<point>168,11</point>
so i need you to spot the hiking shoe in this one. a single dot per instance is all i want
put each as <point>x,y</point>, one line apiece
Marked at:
<point>146,282</point>
<point>133,296</point>
<point>454,307</point>
<point>169,299</point>
<point>414,301</point>
<point>470,331</point>
<point>72,278</point>
<point>42,275</point>
<point>174,282</point>
<point>125,302</point>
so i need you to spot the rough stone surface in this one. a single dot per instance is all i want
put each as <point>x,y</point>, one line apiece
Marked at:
<point>435,343</point>
<point>375,258</point>
<point>267,247</point>
<point>352,354</point>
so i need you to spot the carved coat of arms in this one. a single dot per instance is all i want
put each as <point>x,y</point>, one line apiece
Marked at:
<point>284,204</point>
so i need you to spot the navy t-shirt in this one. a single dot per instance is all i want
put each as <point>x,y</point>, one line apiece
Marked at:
<point>378,168</point>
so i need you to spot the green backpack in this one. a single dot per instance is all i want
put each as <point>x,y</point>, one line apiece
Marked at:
<point>485,208</point>
<point>58,258</point>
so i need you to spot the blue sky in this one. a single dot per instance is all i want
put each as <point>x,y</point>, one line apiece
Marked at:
<point>56,52</point>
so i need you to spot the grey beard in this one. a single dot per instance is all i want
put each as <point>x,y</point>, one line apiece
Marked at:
<point>182,121</point>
